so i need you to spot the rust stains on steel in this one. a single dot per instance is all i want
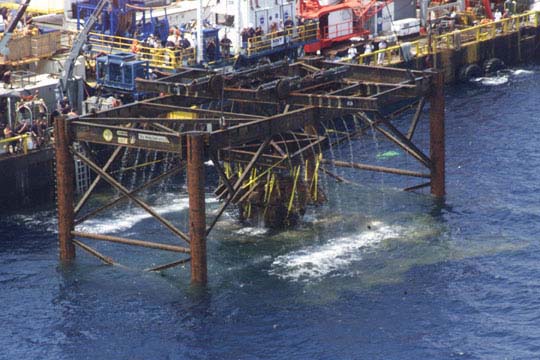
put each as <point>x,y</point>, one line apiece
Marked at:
<point>265,128</point>
<point>65,189</point>
<point>197,208</point>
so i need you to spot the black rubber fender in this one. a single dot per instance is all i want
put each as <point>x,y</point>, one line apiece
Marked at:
<point>493,65</point>
<point>469,72</point>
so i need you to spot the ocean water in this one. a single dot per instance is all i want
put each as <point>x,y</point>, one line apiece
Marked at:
<point>376,273</point>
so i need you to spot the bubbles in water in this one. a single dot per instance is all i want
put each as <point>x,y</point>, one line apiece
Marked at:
<point>502,77</point>
<point>337,254</point>
<point>125,219</point>
<point>521,72</point>
<point>492,80</point>
<point>253,231</point>
<point>42,220</point>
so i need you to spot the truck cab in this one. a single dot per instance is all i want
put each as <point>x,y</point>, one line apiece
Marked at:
<point>117,73</point>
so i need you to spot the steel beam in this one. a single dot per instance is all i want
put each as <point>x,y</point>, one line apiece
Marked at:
<point>94,252</point>
<point>169,265</point>
<point>399,139</point>
<point>188,73</point>
<point>375,168</point>
<point>244,156</point>
<point>377,73</point>
<point>416,118</point>
<point>238,184</point>
<point>135,199</point>
<point>65,188</point>
<point>92,186</point>
<point>184,121</point>
<point>127,137</point>
<point>436,131</point>
<point>197,209</point>
<point>124,197</point>
<point>221,172</point>
<point>121,240</point>
<point>264,128</point>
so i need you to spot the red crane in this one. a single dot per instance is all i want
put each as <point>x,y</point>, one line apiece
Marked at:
<point>338,21</point>
<point>487,7</point>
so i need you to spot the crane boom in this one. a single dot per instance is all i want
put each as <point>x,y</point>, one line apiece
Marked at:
<point>4,50</point>
<point>78,45</point>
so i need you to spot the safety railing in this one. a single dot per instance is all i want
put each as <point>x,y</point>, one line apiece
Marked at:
<point>20,142</point>
<point>163,58</point>
<point>297,34</point>
<point>483,32</point>
<point>335,31</point>
<point>41,8</point>
<point>452,40</point>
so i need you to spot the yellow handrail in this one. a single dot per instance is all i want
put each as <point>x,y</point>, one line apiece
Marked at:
<point>24,139</point>
<point>163,58</point>
<point>264,42</point>
<point>171,59</point>
<point>458,38</point>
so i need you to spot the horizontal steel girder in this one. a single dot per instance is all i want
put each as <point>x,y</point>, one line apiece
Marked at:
<point>264,128</point>
<point>379,74</point>
<point>293,98</point>
<point>124,136</point>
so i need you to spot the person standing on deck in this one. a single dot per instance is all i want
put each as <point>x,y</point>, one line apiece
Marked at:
<point>380,57</point>
<point>288,23</point>
<point>498,15</point>
<point>511,6</point>
<point>352,52</point>
<point>8,133</point>
<point>368,49</point>
<point>226,46</point>
<point>210,51</point>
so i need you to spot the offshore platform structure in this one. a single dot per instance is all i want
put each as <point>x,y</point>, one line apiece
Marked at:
<point>262,127</point>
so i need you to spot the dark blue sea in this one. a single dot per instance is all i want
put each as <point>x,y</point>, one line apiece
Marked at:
<point>375,273</point>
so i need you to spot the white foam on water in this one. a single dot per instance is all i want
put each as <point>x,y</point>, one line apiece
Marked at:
<point>125,219</point>
<point>318,261</point>
<point>253,231</point>
<point>45,221</point>
<point>522,72</point>
<point>493,81</point>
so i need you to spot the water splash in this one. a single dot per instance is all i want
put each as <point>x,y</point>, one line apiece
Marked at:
<point>316,262</point>
<point>521,72</point>
<point>493,81</point>
<point>133,180</point>
<point>252,231</point>
<point>502,77</point>
<point>126,218</point>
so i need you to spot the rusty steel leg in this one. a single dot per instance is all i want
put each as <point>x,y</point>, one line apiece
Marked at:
<point>436,129</point>
<point>197,214</point>
<point>65,175</point>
